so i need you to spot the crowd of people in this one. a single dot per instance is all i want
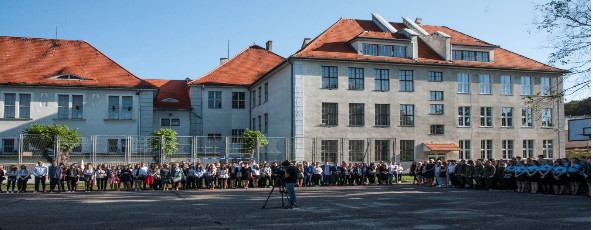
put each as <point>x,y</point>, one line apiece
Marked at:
<point>560,176</point>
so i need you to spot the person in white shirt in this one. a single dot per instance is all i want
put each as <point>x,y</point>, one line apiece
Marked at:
<point>223,175</point>
<point>256,175</point>
<point>40,173</point>
<point>143,174</point>
<point>199,171</point>
<point>89,177</point>
<point>23,176</point>
<point>392,172</point>
<point>317,172</point>
<point>400,170</point>
<point>450,173</point>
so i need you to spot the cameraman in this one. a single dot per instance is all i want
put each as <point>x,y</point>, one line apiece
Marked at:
<point>291,178</point>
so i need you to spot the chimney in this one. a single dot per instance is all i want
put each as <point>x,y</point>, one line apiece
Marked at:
<point>418,21</point>
<point>223,60</point>
<point>306,42</point>
<point>269,45</point>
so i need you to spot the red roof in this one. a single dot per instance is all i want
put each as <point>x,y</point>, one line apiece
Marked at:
<point>332,44</point>
<point>442,146</point>
<point>34,61</point>
<point>173,93</point>
<point>242,69</point>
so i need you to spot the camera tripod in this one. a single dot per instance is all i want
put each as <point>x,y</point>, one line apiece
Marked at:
<point>283,194</point>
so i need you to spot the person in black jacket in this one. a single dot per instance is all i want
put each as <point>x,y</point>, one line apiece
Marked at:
<point>55,174</point>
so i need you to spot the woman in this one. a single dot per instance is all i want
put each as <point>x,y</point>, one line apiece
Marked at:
<point>317,172</point>
<point>233,173</point>
<point>165,177</point>
<point>126,178</point>
<point>23,176</point>
<point>255,176</point>
<point>266,172</point>
<point>223,176</point>
<point>112,180</point>
<point>12,175</point>
<point>429,172</point>
<point>559,173</point>
<point>137,182</point>
<point>2,176</point>
<point>118,177</point>
<point>420,173</point>
<point>176,176</point>
<point>102,177</point>
<point>300,175</point>
<point>442,174</point>
<point>521,177</point>
<point>371,173</point>
<point>72,174</point>
<point>509,176</point>
<point>149,179</point>
<point>89,177</point>
<point>413,172</point>
<point>574,179</point>
<point>534,176</point>
<point>245,175</point>
<point>546,177</point>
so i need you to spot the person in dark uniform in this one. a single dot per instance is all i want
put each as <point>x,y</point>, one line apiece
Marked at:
<point>521,176</point>
<point>488,175</point>
<point>478,172</point>
<point>460,174</point>
<point>534,176</point>
<point>560,180</point>
<point>291,178</point>
<point>509,176</point>
<point>469,174</point>
<point>574,178</point>
<point>499,175</point>
<point>430,172</point>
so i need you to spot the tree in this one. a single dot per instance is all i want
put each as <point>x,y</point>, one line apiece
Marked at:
<point>578,108</point>
<point>251,140</point>
<point>43,138</point>
<point>165,138</point>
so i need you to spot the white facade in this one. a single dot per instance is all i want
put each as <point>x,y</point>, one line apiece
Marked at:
<point>217,120</point>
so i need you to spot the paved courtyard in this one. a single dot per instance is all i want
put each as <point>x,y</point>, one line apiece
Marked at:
<point>370,207</point>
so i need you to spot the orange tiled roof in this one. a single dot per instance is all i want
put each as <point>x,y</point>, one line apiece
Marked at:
<point>442,146</point>
<point>33,61</point>
<point>242,69</point>
<point>174,89</point>
<point>332,44</point>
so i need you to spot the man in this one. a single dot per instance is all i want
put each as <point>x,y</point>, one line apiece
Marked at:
<point>460,174</point>
<point>327,172</point>
<point>55,175</point>
<point>392,172</point>
<point>488,175</point>
<point>291,178</point>
<point>308,173</point>
<point>469,174</point>
<point>451,181</point>
<point>40,173</point>
<point>143,174</point>
<point>478,176</point>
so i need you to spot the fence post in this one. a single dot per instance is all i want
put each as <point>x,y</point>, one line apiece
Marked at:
<point>257,149</point>
<point>57,149</point>
<point>93,148</point>
<point>20,150</point>
<point>341,149</point>
<point>194,149</point>
<point>129,148</point>
<point>162,150</point>
<point>226,148</point>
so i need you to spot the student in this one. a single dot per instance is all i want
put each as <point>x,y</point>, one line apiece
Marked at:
<point>317,172</point>
<point>211,174</point>
<point>143,174</point>
<point>191,177</point>
<point>89,176</point>
<point>509,176</point>
<point>165,177</point>
<point>255,176</point>
<point>200,172</point>
<point>266,172</point>
<point>430,172</point>
<point>534,176</point>
<point>55,173</point>
<point>400,170</point>
<point>559,173</point>
<point>488,175</point>
<point>223,176</point>
<point>413,172</point>
<point>469,174</point>
<point>137,177</point>
<point>40,173</point>
<point>101,175</point>
<point>72,174</point>
<point>574,179</point>
<point>478,171</point>
<point>2,177</point>
<point>459,174</point>
<point>521,177</point>
<point>23,176</point>
<point>176,176</point>
<point>451,181</point>
<point>546,177</point>
<point>126,178</point>
<point>499,175</point>
<point>442,175</point>
<point>11,174</point>
<point>112,180</point>
<point>245,175</point>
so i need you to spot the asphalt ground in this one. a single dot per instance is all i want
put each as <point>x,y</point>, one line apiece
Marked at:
<point>401,206</point>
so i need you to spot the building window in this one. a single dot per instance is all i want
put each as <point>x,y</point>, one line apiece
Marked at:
<point>382,79</point>
<point>120,109</point>
<point>265,123</point>
<point>506,85</point>
<point>507,117</point>
<point>485,84</point>
<point>8,146</point>
<point>400,51</point>
<point>9,105</point>
<point>464,116</point>
<point>259,123</point>
<point>170,122</point>
<point>435,76</point>
<point>266,92</point>
<point>370,49</point>
<point>386,51</point>
<point>77,106</point>
<point>466,55</point>
<point>381,150</point>
<point>113,106</point>
<point>486,117</point>
<point>356,117</point>
<point>548,149</point>
<point>24,105</point>
<point>329,77</point>
<point>237,134</point>
<point>507,149</point>
<point>382,115</point>
<point>406,115</point>
<point>329,150</point>
<point>462,83</point>
<point>356,150</point>
<point>546,86</point>
<point>356,78</point>
<point>466,151</point>
<point>526,86</point>
<point>436,109</point>
<point>329,113</point>
<point>127,105</point>
<point>215,99</point>
<point>527,148</point>
<point>547,118</point>
<point>437,129</point>
<point>486,149</point>
<point>259,97</point>
<point>406,150</point>
<point>383,50</point>
<point>436,95</point>
<point>406,81</point>
<point>527,117</point>
<point>238,100</point>
<point>113,145</point>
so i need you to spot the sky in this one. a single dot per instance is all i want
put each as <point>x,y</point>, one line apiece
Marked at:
<point>186,39</point>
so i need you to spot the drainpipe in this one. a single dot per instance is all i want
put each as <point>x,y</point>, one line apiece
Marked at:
<point>202,112</point>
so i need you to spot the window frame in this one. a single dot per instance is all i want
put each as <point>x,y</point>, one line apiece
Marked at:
<point>526,118</point>
<point>464,120</point>
<point>466,150</point>
<point>406,81</point>
<point>526,86</point>
<point>486,117</point>
<point>355,78</point>
<point>463,86</point>
<point>485,84</point>
<point>507,149</point>
<point>403,115</point>
<point>435,76</point>
<point>433,109</point>
<point>504,86</point>
<point>356,114</point>
<point>528,148</point>
<point>213,99</point>
<point>381,79</point>
<point>382,114</point>
<point>507,118</point>
<point>486,149</point>
<point>406,150</point>
<point>547,121</point>
<point>329,74</point>
<point>437,129</point>
<point>329,115</point>
<point>356,150</point>
<point>436,96</point>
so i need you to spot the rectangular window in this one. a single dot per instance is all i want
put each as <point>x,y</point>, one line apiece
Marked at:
<point>437,129</point>
<point>127,106</point>
<point>329,77</point>
<point>113,107</point>
<point>113,145</point>
<point>77,106</point>
<point>486,117</point>
<point>436,109</point>
<point>527,148</point>
<point>356,150</point>
<point>526,86</point>
<point>237,134</point>
<point>356,78</point>
<point>382,79</point>
<point>485,84</point>
<point>382,115</point>
<point>329,113</point>
<point>165,122</point>
<point>8,146</point>
<point>400,51</point>
<point>546,86</point>
<point>24,105</point>
<point>382,150</point>
<point>369,49</point>
<point>214,136</point>
<point>329,150</point>
<point>506,85</point>
<point>435,76</point>
<point>436,95</point>
<point>548,149</point>
<point>466,55</point>
<point>507,117</point>
<point>406,115</point>
<point>265,123</point>
<point>527,117</point>
<point>465,116</point>
<point>406,81</point>
<point>170,122</point>
<point>507,149</point>
<point>466,151</point>
<point>266,92</point>
<point>259,97</point>
<point>238,100</point>
<point>406,150</point>
<point>9,105</point>
<point>547,118</point>
<point>356,116</point>
<point>386,51</point>
<point>63,104</point>
<point>486,149</point>
<point>462,83</point>
<point>215,99</point>
<point>175,122</point>
<point>259,123</point>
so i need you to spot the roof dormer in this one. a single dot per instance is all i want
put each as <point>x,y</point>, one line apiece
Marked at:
<point>69,77</point>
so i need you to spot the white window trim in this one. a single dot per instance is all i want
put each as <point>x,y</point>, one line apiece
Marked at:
<point>170,121</point>
<point>484,84</point>
<point>70,105</point>
<point>17,104</point>
<point>134,105</point>
<point>510,85</point>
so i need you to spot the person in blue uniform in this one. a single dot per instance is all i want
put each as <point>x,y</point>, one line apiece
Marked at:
<point>574,179</point>
<point>521,176</point>
<point>534,176</point>
<point>509,176</point>
<point>560,178</point>
<point>546,176</point>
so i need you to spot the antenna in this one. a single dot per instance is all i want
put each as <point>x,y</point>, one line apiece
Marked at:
<point>56,32</point>
<point>228,45</point>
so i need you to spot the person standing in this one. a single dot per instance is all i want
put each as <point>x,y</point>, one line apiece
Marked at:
<point>459,174</point>
<point>478,170</point>
<point>89,177</point>
<point>23,176</point>
<point>55,174</point>
<point>12,175</point>
<point>143,174</point>
<point>2,177</point>
<point>469,174</point>
<point>488,175</point>
<point>40,173</point>
<point>291,179</point>
<point>73,174</point>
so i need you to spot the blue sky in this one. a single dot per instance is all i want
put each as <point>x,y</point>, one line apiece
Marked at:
<point>185,39</point>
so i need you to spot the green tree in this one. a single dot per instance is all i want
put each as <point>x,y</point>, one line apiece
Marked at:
<point>43,138</point>
<point>251,140</point>
<point>578,108</point>
<point>165,138</point>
